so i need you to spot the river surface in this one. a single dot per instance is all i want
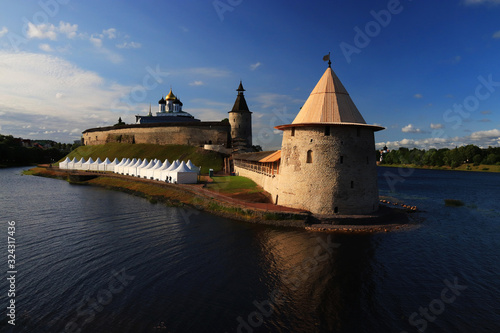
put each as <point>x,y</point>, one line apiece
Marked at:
<point>94,260</point>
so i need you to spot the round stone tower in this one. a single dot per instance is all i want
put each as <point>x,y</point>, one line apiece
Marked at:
<point>240,119</point>
<point>328,160</point>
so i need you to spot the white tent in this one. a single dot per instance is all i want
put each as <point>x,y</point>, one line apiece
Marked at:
<point>192,167</point>
<point>133,165</point>
<point>166,173</point>
<point>71,164</point>
<point>143,172</point>
<point>64,164</point>
<point>86,165</point>
<point>135,171</point>
<point>150,172</point>
<point>111,165</point>
<point>95,166</point>
<point>183,175</point>
<point>158,172</point>
<point>79,164</point>
<point>103,165</point>
<point>123,163</point>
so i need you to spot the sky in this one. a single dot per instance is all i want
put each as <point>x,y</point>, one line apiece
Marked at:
<point>428,71</point>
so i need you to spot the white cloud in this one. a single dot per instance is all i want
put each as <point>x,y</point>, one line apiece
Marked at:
<point>42,31</point>
<point>97,42</point>
<point>196,83</point>
<point>129,45</point>
<point>110,33</point>
<point>209,71</point>
<point>418,96</point>
<point>436,126</point>
<point>255,66</point>
<point>68,29</point>
<point>46,48</point>
<point>60,95</point>
<point>496,35</point>
<point>482,139</point>
<point>3,31</point>
<point>411,129</point>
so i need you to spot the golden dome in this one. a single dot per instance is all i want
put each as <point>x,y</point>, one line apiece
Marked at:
<point>170,96</point>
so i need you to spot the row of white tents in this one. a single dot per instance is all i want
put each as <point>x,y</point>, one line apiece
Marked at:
<point>175,172</point>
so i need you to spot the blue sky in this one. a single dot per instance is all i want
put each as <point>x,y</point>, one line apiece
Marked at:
<point>428,71</point>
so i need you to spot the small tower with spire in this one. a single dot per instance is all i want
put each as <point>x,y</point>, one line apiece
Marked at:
<point>240,119</point>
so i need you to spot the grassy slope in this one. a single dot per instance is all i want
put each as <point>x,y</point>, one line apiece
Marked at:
<point>233,184</point>
<point>200,157</point>
<point>463,167</point>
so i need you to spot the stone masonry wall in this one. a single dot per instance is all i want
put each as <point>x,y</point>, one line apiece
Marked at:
<point>341,176</point>
<point>269,183</point>
<point>162,135</point>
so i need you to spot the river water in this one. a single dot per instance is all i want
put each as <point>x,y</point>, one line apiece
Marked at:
<point>93,260</point>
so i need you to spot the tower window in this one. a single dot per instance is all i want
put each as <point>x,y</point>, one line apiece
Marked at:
<point>336,210</point>
<point>358,131</point>
<point>327,131</point>
<point>341,159</point>
<point>309,156</point>
<point>352,184</point>
<point>293,131</point>
<point>367,160</point>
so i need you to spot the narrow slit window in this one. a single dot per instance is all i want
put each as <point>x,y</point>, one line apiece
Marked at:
<point>293,131</point>
<point>358,131</point>
<point>336,210</point>
<point>341,159</point>
<point>309,156</point>
<point>352,184</point>
<point>327,131</point>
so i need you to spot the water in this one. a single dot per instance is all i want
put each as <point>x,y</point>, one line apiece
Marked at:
<point>93,260</point>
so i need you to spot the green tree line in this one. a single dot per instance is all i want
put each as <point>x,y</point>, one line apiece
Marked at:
<point>12,151</point>
<point>440,157</point>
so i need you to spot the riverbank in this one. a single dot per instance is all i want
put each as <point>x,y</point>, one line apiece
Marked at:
<point>463,167</point>
<point>219,200</point>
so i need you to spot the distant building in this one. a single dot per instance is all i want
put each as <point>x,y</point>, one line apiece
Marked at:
<point>172,125</point>
<point>240,119</point>
<point>169,110</point>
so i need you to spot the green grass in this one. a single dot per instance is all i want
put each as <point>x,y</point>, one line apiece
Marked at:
<point>233,184</point>
<point>198,156</point>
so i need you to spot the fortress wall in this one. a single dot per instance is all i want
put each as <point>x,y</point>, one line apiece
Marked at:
<point>162,135</point>
<point>269,183</point>
<point>341,177</point>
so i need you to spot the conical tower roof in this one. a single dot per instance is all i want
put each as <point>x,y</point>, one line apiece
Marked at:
<point>240,104</point>
<point>329,103</point>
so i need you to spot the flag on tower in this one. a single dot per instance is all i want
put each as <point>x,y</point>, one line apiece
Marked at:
<point>327,57</point>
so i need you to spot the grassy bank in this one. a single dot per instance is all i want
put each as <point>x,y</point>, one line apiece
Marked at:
<point>199,156</point>
<point>179,196</point>
<point>463,167</point>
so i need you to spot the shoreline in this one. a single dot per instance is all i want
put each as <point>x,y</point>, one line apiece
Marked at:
<point>196,197</point>
<point>463,167</point>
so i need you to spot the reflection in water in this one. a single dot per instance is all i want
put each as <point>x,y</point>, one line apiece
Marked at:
<point>195,272</point>
<point>314,280</point>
